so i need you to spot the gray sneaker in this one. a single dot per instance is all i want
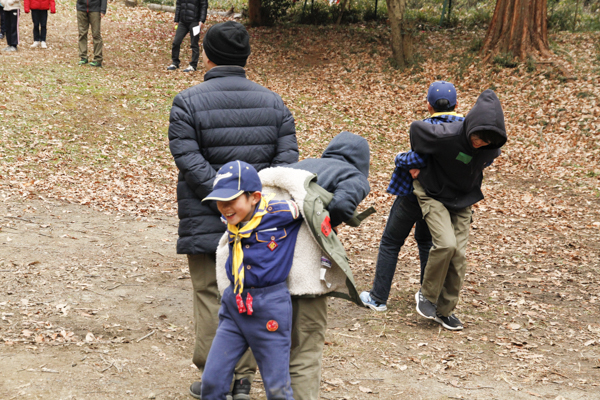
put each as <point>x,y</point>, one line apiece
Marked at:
<point>451,323</point>
<point>425,307</point>
<point>189,69</point>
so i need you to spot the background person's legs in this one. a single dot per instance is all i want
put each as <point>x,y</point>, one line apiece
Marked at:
<point>95,22</point>
<point>83,25</point>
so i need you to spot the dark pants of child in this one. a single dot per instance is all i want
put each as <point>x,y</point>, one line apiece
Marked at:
<point>268,333</point>
<point>182,30</point>
<point>40,19</point>
<point>11,18</point>
<point>404,214</point>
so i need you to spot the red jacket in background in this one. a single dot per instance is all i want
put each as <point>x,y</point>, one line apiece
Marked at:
<point>40,5</point>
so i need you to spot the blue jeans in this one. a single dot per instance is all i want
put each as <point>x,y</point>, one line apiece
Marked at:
<point>404,214</point>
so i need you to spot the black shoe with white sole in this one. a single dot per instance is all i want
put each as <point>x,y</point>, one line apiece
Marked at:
<point>451,323</point>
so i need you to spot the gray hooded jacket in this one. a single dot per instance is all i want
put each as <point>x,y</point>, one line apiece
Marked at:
<point>343,170</point>
<point>454,170</point>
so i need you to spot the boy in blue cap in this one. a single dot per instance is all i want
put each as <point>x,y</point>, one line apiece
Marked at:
<point>405,212</point>
<point>256,309</point>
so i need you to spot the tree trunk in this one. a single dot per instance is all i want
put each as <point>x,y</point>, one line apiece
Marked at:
<point>255,12</point>
<point>401,33</point>
<point>519,28</point>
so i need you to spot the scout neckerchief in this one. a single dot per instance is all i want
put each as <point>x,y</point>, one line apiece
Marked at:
<point>445,113</point>
<point>237,264</point>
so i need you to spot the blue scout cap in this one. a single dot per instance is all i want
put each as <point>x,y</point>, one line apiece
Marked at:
<point>233,179</point>
<point>441,90</point>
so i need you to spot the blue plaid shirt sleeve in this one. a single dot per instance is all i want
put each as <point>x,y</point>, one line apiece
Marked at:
<point>401,182</point>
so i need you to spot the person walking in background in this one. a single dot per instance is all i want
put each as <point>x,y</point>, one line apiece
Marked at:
<point>39,16</point>
<point>225,118</point>
<point>12,11</point>
<point>190,15</point>
<point>89,14</point>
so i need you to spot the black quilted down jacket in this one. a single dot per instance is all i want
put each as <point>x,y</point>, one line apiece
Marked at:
<point>188,11</point>
<point>226,118</point>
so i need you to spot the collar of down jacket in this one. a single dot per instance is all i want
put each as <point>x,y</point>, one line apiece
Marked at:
<point>306,277</point>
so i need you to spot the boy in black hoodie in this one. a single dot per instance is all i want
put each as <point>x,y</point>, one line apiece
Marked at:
<point>343,170</point>
<point>446,188</point>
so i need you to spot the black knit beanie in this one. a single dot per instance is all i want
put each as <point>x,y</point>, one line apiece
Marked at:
<point>227,43</point>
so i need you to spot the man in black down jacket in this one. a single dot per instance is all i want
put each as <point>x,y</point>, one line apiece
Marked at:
<point>343,170</point>
<point>226,118</point>
<point>189,14</point>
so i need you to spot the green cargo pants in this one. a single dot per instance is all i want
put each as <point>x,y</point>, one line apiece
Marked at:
<point>447,264</point>
<point>206,314</point>
<point>309,322</point>
<point>84,21</point>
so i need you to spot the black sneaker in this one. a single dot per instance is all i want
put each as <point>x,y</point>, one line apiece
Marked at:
<point>196,390</point>
<point>241,389</point>
<point>451,323</point>
<point>424,307</point>
<point>172,67</point>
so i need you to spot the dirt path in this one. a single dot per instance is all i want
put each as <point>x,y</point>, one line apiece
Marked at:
<point>98,306</point>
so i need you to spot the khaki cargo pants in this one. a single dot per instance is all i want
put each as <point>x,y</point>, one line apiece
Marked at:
<point>446,267</point>
<point>84,21</point>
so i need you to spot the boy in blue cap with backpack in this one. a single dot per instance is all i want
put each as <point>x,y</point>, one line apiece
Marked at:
<point>256,309</point>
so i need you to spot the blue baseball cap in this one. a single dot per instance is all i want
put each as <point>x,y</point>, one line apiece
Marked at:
<point>441,90</point>
<point>233,179</point>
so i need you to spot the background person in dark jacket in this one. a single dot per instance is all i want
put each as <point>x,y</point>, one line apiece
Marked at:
<point>446,188</point>
<point>189,14</point>
<point>89,14</point>
<point>225,118</point>
<point>343,170</point>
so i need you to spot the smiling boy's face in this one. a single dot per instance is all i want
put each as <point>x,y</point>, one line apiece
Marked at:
<point>239,209</point>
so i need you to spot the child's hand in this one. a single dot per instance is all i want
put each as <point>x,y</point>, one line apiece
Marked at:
<point>414,172</point>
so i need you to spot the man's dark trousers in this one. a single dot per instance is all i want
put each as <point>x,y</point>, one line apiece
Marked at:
<point>404,214</point>
<point>182,30</point>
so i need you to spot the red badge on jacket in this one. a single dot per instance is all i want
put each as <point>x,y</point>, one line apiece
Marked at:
<point>326,226</point>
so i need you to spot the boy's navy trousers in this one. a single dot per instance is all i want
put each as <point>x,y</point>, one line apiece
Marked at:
<point>272,307</point>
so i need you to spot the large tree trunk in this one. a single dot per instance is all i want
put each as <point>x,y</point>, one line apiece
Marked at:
<point>401,33</point>
<point>519,28</point>
<point>255,12</point>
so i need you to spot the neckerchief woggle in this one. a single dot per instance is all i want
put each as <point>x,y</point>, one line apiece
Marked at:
<point>237,259</point>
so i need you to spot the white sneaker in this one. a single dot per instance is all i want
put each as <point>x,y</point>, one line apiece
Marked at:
<point>189,69</point>
<point>44,45</point>
<point>35,44</point>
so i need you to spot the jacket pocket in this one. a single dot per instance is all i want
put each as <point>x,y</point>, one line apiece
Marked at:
<point>269,235</point>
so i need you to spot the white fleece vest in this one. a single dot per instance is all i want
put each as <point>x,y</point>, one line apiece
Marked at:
<point>305,275</point>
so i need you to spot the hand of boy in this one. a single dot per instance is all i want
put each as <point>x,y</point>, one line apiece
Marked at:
<point>414,173</point>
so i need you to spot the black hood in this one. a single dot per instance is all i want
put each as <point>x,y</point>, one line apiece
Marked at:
<point>486,115</point>
<point>350,148</point>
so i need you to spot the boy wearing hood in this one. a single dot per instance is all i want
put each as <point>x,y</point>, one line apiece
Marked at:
<point>343,170</point>
<point>446,188</point>
<point>405,212</point>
